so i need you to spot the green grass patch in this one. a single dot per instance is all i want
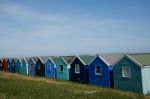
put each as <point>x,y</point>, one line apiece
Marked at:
<point>15,86</point>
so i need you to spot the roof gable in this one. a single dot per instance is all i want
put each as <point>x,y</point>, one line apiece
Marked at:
<point>111,58</point>
<point>44,59</point>
<point>34,59</point>
<point>49,58</point>
<point>86,58</point>
<point>55,59</point>
<point>68,59</point>
<point>141,58</point>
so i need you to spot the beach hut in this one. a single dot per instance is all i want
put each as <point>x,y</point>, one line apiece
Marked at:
<point>24,67</point>
<point>132,73</point>
<point>79,68</point>
<point>1,66</point>
<point>62,67</point>
<point>13,65</point>
<point>31,65</point>
<point>5,64</point>
<point>101,70</point>
<point>18,67</point>
<point>40,66</point>
<point>9,63</point>
<point>50,68</point>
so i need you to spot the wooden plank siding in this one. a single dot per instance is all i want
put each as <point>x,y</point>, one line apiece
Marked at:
<point>62,75</point>
<point>50,69</point>
<point>78,77</point>
<point>129,84</point>
<point>104,79</point>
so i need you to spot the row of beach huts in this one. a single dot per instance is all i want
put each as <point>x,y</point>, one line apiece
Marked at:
<point>129,72</point>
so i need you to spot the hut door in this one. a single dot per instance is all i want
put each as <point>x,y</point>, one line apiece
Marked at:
<point>40,70</point>
<point>86,76</point>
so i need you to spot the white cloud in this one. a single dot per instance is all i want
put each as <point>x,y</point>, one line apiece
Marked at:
<point>37,33</point>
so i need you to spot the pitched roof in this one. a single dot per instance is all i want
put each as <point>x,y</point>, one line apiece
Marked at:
<point>9,60</point>
<point>27,59</point>
<point>86,58</point>
<point>15,60</point>
<point>55,59</point>
<point>142,58</point>
<point>44,58</point>
<point>111,58</point>
<point>35,59</point>
<point>68,59</point>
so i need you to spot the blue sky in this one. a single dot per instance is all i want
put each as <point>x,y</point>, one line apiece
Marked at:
<point>72,27</point>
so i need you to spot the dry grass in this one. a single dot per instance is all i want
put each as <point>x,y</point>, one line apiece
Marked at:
<point>62,89</point>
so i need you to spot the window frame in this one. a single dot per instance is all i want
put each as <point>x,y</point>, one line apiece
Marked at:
<point>123,73</point>
<point>77,72</point>
<point>97,69</point>
<point>61,68</point>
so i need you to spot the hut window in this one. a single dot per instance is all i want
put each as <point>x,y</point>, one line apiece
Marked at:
<point>61,69</point>
<point>97,70</point>
<point>126,72</point>
<point>77,68</point>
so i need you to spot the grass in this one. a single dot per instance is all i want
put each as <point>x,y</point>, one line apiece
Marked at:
<point>15,86</point>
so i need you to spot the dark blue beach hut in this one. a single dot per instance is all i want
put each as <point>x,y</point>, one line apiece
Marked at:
<point>31,65</point>
<point>13,65</point>
<point>50,68</point>
<point>40,66</point>
<point>9,64</point>
<point>101,70</point>
<point>79,68</point>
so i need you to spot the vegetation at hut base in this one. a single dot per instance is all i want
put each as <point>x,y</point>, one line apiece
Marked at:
<point>15,86</point>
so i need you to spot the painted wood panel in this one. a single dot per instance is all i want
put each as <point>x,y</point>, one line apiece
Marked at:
<point>40,68</point>
<point>5,65</point>
<point>13,66</point>
<point>130,84</point>
<point>31,67</point>
<point>146,80</point>
<point>24,67</point>
<point>104,78</point>
<point>50,69</point>
<point>78,77</point>
<point>62,75</point>
<point>18,67</point>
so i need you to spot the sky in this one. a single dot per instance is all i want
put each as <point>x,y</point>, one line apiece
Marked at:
<point>73,27</point>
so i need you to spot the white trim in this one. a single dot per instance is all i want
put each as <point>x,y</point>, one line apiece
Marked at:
<point>73,59</point>
<point>41,60</point>
<point>104,60</point>
<point>49,58</point>
<point>123,74</point>
<point>136,62</point>
<point>120,58</point>
<point>96,70</point>
<point>146,67</point>
<point>64,60</point>
<point>77,72</point>
<point>101,58</point>
<point>93,59</point>
<point>33,60</point>
<point>25,60</point>
<point>129,57</point>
